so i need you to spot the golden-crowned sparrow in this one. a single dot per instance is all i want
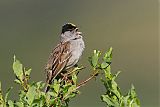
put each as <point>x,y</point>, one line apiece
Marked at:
<point>66,54</point>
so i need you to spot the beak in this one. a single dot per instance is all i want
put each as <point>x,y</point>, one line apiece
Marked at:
<point>79,33</point>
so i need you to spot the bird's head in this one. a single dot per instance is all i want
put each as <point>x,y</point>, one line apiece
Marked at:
<point>70,32</point>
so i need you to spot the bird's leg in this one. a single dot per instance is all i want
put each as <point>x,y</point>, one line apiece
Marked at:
<point>65,76</point>
<point>73,69</point>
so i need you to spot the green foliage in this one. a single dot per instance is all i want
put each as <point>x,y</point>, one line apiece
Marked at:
<point>32,94</point>
<point>113,96</point>
<point>62,90</point>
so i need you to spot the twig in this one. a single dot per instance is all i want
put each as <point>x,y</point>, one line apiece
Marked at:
<point>69,73</point>
<point>75,69</point>
<point>85,81</point>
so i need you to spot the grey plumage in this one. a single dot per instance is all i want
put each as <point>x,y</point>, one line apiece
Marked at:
<point>66,54</point>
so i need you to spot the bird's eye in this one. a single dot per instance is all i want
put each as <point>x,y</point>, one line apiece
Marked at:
<point>76,29</point>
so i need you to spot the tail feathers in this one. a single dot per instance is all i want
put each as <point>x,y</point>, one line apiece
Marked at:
<point>47,88</point>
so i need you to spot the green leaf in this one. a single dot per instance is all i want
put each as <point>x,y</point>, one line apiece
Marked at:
<point>116,75</point>
<point>1,97</point>
<point>132,92</point>
<point>10,103</point>
<point>7,93</point>
<point>125,101</point>
<point>19,104</point>
<point>52,102</point>
<point>109,101</point>
<point>104,65</point>
<point>18,68</point>
<point>56,86</point>
<point>115,89</point>
<point>42,101</point>
<point>22,94</point>
<point>17,81</point>
<point>133,97</point>
<point>31,94</point>
<point>71,92</point>
<point>74,78</point>
<point>107,72</point>
<point>106,98</point>
<point>108,56</point>
<point>27,73</point>
<point>40,85</point>
<point>52,93</point>
<point>95,58</point>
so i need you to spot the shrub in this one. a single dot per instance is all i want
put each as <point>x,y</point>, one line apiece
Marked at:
<point>31,94</point>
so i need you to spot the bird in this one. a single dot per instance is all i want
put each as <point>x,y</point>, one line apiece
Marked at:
<point>66,54</point>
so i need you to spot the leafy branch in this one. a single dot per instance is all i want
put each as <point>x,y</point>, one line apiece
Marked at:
<point>31,94</point>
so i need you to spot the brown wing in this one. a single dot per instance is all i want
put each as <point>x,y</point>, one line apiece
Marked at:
<point>57,60</point>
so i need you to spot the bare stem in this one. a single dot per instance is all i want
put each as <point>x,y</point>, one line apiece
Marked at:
<point>84,82</point>
<point>88,79</point>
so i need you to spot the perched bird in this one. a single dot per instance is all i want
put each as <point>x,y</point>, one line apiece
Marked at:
<point>66,54</point>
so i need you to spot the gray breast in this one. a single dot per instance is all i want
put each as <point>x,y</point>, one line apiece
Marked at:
<point>77,46</point>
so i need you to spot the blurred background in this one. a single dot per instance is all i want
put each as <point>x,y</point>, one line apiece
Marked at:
<point>30,29</point>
